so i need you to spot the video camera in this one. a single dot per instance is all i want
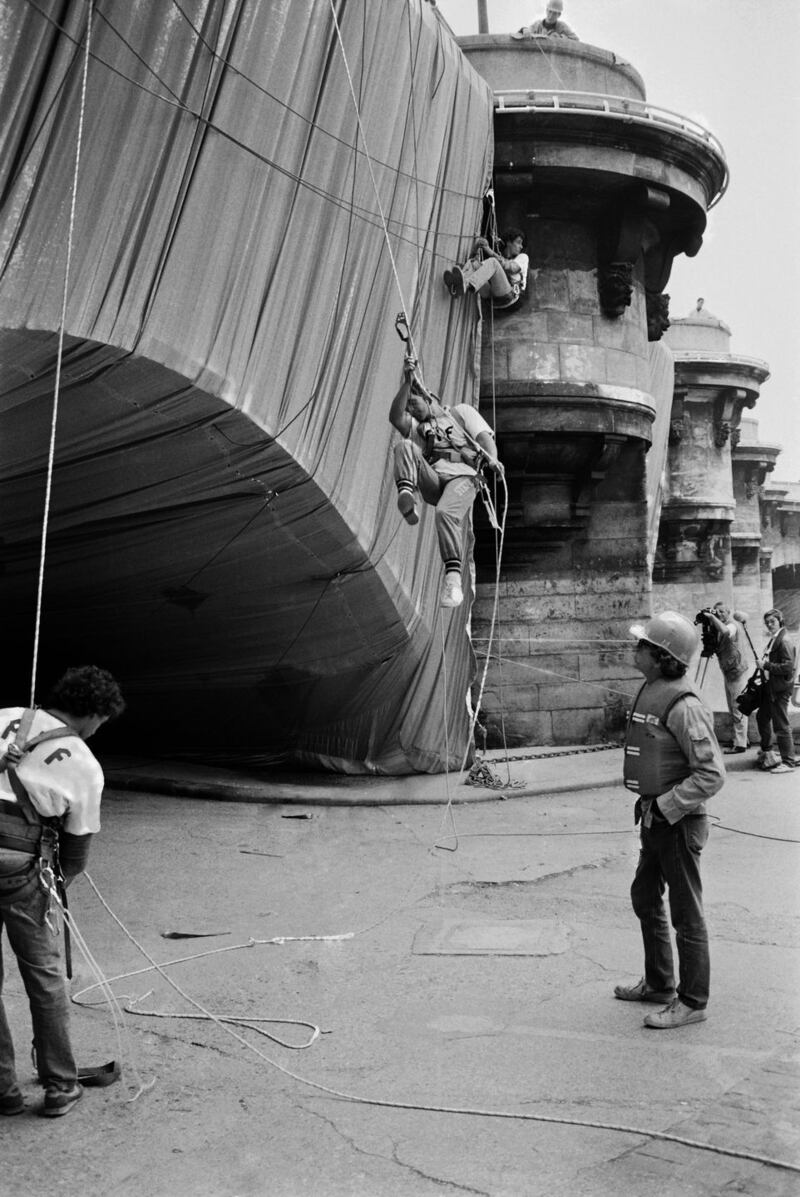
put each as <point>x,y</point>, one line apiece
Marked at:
<point>708,632</point>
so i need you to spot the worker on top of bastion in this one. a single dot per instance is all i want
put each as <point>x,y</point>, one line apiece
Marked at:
<point>550,25</point>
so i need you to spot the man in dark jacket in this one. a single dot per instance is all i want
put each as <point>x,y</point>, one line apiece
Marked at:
<point>772,715</point>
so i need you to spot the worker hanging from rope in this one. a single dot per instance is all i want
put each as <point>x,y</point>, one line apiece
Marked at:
<point>499,272</point>
<point>440,458</point>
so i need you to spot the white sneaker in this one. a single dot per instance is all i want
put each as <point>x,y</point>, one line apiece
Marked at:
<point>452,594</point>
<point>407,507</point>
<point>676,1014</point>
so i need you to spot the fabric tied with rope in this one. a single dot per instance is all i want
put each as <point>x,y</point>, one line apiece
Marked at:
<point>233,389</point>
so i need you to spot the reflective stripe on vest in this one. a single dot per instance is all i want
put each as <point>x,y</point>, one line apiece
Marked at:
<point>654,761</point>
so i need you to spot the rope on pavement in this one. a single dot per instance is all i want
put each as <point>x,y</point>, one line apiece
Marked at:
<point>384,1103</point>
<point>757,835</point>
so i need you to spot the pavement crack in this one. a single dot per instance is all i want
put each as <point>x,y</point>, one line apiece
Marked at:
<point>437,1180</point>
<point>527,883</point>
<point>394,1158</point>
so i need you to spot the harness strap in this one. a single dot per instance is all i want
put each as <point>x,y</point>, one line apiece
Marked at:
<point>47,846</point>
<point>14,754</point>
<point>470,453</point>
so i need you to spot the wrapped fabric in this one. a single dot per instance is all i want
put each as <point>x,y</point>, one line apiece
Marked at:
<point>223,533</point>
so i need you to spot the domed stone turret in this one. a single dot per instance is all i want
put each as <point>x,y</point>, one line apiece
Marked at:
<point>709,482</point>
<point>700,330</point>
<point>608,190</point>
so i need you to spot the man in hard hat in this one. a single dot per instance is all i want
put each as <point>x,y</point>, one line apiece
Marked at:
<point>551,24</point>
<point>673,763</point>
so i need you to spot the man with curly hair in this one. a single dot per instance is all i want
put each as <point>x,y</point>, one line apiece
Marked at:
<point>50,790</point>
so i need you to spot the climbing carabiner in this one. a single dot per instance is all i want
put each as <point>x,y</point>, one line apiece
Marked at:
<point>400,323</point>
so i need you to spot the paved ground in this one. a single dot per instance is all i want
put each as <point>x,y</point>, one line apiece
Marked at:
<point>454,957</point>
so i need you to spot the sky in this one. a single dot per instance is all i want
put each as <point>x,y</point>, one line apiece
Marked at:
<point>733,65</point>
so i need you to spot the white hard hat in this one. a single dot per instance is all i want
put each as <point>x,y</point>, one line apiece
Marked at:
<point>672,632</point>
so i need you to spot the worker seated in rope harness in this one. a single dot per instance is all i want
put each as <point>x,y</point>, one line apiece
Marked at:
<point>50,791</point>
<point>501,273</point>
<point>439,458</point>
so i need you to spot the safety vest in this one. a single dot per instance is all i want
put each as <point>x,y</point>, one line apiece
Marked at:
<point>446,440</point>
<point>654,761</point>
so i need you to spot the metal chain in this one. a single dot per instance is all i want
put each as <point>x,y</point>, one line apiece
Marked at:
<point>543,756</point>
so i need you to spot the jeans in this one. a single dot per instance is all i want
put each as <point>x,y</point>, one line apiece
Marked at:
<point>23,906</point>
<point>772,718</point>
<point>670,857</point>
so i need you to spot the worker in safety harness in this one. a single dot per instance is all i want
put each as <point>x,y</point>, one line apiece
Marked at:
<point>499,274</point>
<point>50,791</point>
<point>439,457</point>
<point>673,763</point>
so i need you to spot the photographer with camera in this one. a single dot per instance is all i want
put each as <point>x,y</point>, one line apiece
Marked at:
<point>722,637</point>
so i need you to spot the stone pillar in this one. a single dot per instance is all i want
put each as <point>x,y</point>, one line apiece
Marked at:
<point>752,462</point>
<point>607,194</point>
<point>695,563</point>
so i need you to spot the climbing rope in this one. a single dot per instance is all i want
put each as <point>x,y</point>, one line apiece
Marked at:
<point>59,360</point>
<point>482,774</point>
<point>394,1104</point>
<point>372,173</point>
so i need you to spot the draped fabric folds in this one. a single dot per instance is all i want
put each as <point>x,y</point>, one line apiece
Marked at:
<point>662,380</point>
<point>256,201</point>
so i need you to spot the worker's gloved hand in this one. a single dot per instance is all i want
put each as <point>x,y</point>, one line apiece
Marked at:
<point>409,364</point>
<point>496,465</point>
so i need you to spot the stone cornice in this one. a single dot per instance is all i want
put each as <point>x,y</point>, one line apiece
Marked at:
<point>765,455</point>
<point>718,369</point>
<point>526,406</point>
<point>691,511</point>
<point>611,142</point>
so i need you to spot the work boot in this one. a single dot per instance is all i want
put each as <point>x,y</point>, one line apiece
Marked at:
<point>676,1014</point>
<point>640,992</point>
<point>58,1102</point>
<point>12,1103</point>
<point>454,280</point>
<point>452,594</point>
<point>407,506</point>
